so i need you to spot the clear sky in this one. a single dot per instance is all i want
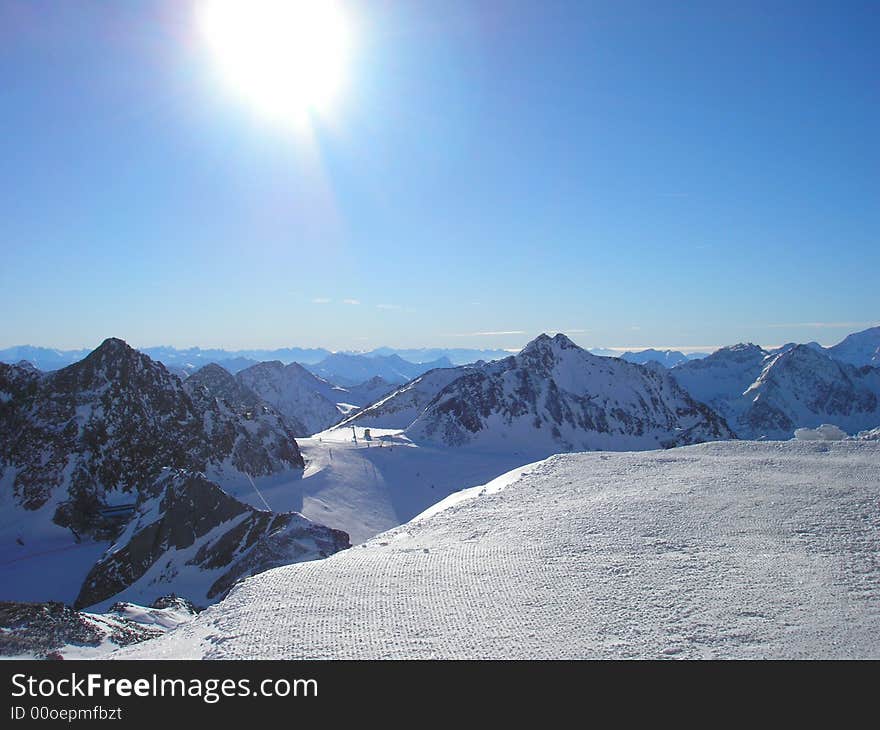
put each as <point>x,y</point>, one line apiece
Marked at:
<point>684,174</point>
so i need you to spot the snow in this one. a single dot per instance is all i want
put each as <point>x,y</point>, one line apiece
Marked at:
<point>825,432</point>
<point>720,550</point>
<point>859,348</point>
<point>39,560</point>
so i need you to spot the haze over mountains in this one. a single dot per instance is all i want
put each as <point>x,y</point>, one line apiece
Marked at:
<point>860,348</point>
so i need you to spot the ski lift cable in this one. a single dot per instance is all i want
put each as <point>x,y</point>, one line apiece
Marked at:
<point>259,494</point>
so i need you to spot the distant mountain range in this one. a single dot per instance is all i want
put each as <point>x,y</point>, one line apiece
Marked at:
<point>860,348</point>
<point>191,359</point>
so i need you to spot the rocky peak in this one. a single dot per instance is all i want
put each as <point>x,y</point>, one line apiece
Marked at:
<point>543,353</point>
<point>215,382</point>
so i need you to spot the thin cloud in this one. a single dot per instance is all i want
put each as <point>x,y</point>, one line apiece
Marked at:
<point>351,301</point>
<point>492,333</point>
<point>824,325</point>
<point>681,348</point>
<point>321,300</point>
<point>387,306</point>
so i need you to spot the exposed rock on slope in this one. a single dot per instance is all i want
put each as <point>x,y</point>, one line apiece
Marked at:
<point>104,427</point>
<point>52,630</point>
<point>189,534</point>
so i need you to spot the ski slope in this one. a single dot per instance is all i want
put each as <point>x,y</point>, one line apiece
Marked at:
<point>367,487</point>
<point>719,550</point>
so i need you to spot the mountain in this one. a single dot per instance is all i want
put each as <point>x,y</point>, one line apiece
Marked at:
<point>764,395</point>
<point>667,358</point>
<point>298,394</point>
<point>455,355</point>
<point>720,379</point>
<point>365,393</point>
<point>789,345</point>
<point>348,370</point>
<point>803,387</point>
<point>859,348</point>
<point>402,406</point>
<point>235,413</point>
<point>305,398</point>
<point>732,550</point>
<point>82,448</point>
<point>554,396</point>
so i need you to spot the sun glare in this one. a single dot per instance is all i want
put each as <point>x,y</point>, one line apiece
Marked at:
<point>285,57</point>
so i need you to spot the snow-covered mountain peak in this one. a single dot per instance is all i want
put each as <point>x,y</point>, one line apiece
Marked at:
<point>770,395</point>
<point>557,396</point>
<point>545,343</point>
<point>302,397</point>
<point>859,348</point>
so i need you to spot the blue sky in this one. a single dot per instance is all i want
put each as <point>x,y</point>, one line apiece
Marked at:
<point>683,174</point>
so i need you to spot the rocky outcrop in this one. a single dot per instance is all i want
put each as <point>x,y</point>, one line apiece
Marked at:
<point>187,533</point>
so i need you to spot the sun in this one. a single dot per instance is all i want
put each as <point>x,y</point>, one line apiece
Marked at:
<point>287,58</point>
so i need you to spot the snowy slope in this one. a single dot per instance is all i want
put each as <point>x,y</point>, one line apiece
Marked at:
<point>720,550</point>
<point>859,348</point>
<point>554,396</point>
<point>366,487</point>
